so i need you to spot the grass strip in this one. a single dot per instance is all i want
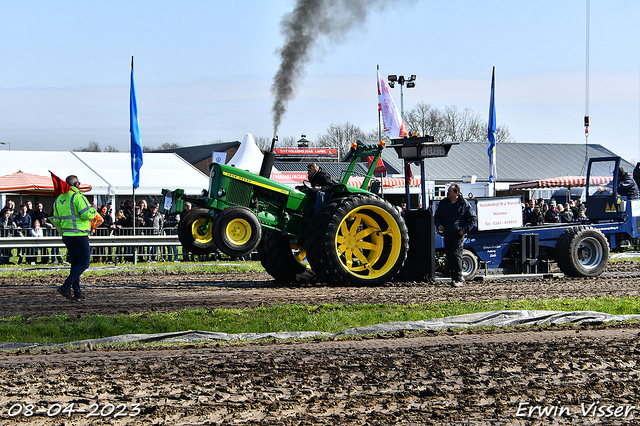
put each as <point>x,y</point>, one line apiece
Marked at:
<point>101,269</point>
<point>328,318</point>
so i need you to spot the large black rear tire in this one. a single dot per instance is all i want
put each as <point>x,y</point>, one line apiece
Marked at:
<point>358,240</point>
<point>282,259</point>
<point>582,251</point>
<point>237,231</point>
<point>194,233</point>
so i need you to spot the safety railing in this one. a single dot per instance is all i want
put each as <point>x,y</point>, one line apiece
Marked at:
<point>114,245</point>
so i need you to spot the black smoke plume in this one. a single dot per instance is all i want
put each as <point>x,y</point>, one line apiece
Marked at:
<point>310,20</point>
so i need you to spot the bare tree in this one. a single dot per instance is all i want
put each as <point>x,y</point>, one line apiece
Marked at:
<point>92,147</point>
<point>263,143</point>
<point>165,145</point>
<point>110,148</point>
<point>451,124</point>
<point>424,120</point>
<point>503,135</point>
<point>169,145</point>
<point>286,142</point>
<point>340,136</point>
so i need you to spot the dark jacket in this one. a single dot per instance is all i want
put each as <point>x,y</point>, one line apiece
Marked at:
<point>535,218</point>
<point>552,215</point>
<point>566,216</point>
<point>455,216</point>
<point>636,174</point>
<point>627,187</point>
<point>323,180</point>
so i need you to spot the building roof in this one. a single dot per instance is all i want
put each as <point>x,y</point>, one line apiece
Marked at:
<point>197,153</point>
<point>516,162</point>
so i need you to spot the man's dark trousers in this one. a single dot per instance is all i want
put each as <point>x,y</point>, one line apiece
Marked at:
<point>79,254</point>
<point>453,245</point>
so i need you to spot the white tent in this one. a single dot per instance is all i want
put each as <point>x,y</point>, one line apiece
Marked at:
<point>159,170</point>
<point>109,173</point>
<point>248,156</point>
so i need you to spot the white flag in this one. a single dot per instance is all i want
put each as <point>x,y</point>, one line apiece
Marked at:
<point>219,157</point>
<point>391,118</point>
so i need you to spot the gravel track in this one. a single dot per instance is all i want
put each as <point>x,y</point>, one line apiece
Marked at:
<point>516,376</point>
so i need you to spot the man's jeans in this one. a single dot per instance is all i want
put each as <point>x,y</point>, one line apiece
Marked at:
<point>319,199</point>
<point>453,246</point>
<point>79,255</point>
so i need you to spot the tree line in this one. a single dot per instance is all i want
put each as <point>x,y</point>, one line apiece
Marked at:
<point>447,124</point>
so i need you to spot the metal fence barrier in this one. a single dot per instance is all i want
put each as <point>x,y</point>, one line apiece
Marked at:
<point>114,245</point>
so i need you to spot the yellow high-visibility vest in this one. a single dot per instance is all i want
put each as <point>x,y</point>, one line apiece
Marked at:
<point>72,214</point>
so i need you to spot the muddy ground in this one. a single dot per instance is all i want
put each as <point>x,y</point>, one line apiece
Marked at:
<point>578,375</point>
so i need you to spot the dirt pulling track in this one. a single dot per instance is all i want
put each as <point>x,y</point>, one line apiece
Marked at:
<point>577,375</point>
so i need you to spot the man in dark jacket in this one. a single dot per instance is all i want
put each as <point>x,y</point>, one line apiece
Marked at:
<point>627,186</point>
<point>636,174</point>
<point>321,183</point>
<point>454,219</point>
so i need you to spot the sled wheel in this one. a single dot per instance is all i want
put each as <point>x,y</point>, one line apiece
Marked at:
<point>236,231</point>
<point>283,260</point>
<point>365,241</point>
<point>194,232</point>
<point>582,251</point>
<point>469,265</point>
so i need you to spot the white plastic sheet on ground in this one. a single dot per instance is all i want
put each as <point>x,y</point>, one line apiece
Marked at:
<point>481,319</point>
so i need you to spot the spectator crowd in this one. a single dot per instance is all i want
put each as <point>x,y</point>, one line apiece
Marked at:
<point>539,212</point>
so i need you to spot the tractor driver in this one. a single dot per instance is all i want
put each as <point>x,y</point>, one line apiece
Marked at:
<point>321,184</point>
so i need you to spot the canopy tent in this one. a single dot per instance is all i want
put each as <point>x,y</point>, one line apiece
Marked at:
<point>28,183</point>
<point>159,171</point>
<point>248,156</point>
<point>561,182</point>
<point>109,173</point>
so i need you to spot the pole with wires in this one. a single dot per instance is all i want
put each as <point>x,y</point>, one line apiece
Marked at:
<point>586,100</point>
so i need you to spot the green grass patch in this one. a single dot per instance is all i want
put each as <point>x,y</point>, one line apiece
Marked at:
<point>101,269</point>
<point>328,318</point>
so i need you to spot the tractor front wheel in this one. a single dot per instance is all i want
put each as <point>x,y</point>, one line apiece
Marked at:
<point>194,232</point>
<point>237,231</point>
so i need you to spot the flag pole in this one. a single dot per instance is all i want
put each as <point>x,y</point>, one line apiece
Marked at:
<point>135,257</point>
<point>136,148</point>
<point>491,133</point>
<point>380,140</point>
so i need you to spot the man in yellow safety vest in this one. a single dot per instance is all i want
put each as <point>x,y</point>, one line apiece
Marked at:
<point>72,214</point>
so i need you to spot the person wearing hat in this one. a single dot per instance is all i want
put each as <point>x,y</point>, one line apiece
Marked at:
<point>552,216</point>
<point>627,187</point>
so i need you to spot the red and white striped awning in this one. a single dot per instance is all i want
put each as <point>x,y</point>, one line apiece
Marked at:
<point>298,177</point>
<point>27,183</point>
<point>561,182</point>
<point>386,182</point>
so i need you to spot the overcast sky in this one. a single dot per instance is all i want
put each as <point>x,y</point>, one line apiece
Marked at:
<point>204,68</point>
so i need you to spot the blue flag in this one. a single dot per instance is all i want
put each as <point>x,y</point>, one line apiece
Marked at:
<point>136,146</point>
<point>493,173</point>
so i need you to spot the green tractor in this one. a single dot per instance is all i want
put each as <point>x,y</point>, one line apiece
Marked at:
<point>355,238</point>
